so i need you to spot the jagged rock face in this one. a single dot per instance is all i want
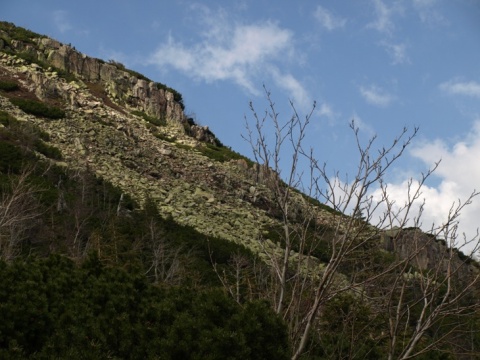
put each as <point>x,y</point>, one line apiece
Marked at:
<point>430,253</point>
<point>120,85</point>
<point>203,133</point>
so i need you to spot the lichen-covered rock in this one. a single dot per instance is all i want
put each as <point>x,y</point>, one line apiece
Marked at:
<point>203,133</point>
<point>122,86</point>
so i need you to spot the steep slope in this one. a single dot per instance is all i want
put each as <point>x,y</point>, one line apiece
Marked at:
<point>133,133</point>
<point>102,135</point>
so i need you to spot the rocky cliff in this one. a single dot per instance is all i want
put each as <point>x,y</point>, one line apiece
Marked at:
<point>120,85</point>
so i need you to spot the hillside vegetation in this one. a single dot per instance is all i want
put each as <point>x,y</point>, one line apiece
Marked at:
<point>128,231</point>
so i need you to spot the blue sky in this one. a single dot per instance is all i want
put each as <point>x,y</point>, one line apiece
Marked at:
<point>386,64</point>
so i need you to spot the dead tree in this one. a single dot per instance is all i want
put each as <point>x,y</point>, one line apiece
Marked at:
<point>19,208</point>
<point>301,285</point>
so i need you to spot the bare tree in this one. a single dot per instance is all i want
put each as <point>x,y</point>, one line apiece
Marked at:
<point>302,285</point>
<point>165,261</point>
<point>19,208</point>
<point>235,276</point>
<point>435,289</point>
<point>78,210</point>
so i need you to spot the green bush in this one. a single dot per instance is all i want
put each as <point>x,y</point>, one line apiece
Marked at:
<point>122,67</point>
<point>11,158</point>
<point>29,135</point>
<point>183,146</point>
<point>6,119</point>
<point>29,58</point>
<point>8,86</point>
<point>18,33</point>
<point>38,108</point>
<point>150,119</point>
<point>49,151</point>
<point>165,137</point>
<point>222,153</point>
<point>63,73</point>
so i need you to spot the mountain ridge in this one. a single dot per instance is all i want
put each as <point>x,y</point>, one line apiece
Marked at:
<point>134,133</point>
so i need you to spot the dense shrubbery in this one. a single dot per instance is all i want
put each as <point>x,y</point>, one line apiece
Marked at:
<point>8,86</point>
<point>6,119</point>
<point>38,108</point>
<point>222,153</point>
<point>214,152</point>
<point>120,66</point>
<point>18,33</point>
<point>11,155</point>
<point>10,158</point>
<point>48,150</point>
<point>51,308</point>
<point>29,135</point>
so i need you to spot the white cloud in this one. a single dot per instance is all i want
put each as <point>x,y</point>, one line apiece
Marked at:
<point>60,19</point>
<point>424,3</point>
<point>428,12</point>
<point>398,53</point>
<point>376,96</point>
<point>327,19</point>
<point>458,176</point>
<point>383,22</point>
<point>297,92</point>
<point>230,51</point>
<point>362,125</point>
<point>326,111</point>
<point>459,162</point>
<point>457,87</point>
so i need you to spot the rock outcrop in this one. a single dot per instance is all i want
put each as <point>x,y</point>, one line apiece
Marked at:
<point>124,87</point>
